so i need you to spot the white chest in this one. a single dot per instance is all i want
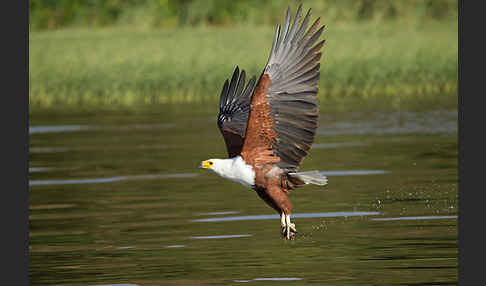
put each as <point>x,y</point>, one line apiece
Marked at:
<point>238,171</point>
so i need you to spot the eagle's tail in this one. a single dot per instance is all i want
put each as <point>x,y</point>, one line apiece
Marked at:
<point>309,177</point>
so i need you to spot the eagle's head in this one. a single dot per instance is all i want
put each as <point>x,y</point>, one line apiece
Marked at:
<point>234,169</point>
<point>208,164</point>
<point>219,166</point>
<point>222,167</point>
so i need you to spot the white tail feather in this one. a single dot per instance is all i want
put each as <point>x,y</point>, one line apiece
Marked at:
<point>311,177</point>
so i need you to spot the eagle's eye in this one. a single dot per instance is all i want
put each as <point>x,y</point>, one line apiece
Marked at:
<point>210,163</point>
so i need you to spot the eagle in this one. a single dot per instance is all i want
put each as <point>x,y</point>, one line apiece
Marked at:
<point>268,134</point>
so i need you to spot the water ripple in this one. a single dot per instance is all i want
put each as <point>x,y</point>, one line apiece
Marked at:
<point>40,129</point>
<point>296,215</point>
<point>353,172</point>
<point>221,236</point>
<point>413,218</point>
<point>269,279</point>
<point>110,180</point>
<point>337,145</point>
<point>56,128</point>
<point>219,213</point>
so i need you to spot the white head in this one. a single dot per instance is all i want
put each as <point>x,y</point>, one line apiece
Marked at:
<point>219,166</point>
<point>233,169</point>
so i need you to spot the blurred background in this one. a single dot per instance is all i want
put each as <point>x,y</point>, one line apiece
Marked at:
<point>127,53</point>
<point>123,103</point>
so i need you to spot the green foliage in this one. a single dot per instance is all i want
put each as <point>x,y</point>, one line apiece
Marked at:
<point>362,62</point>
<point>48,14</point>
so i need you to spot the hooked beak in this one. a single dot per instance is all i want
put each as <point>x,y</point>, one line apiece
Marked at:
<point>204,165</point>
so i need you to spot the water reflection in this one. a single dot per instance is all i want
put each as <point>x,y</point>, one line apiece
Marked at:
<point>414,218</point>
<point>149,232</point>
<point>221,236</point>
<point>278,279</point>
<point>429,122</point>
<point>40,129</point>
<point>117,285</point>
<point>42,150</point>
<point>56,128</point>
<point>269,279</point>
<point>39,169</point>
<point>47,149</point>
<point>168,176</point>
<point>337,145</point>
<point>295,215</point>
<point>73,181</point>
<point>126,247</point>
<point>219,213</point>
<point>353,172</point>
<point>110,180</point>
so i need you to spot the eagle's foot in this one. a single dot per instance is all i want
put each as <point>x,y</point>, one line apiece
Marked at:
<point>288,229</point>
<point>288,232</point>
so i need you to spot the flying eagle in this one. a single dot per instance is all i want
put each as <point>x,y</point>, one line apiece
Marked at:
<point>268,134</point>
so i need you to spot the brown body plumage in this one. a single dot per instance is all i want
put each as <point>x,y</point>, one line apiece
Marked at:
<point>272,131</point>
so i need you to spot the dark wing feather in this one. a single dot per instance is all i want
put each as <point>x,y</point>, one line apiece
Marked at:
<point>234,107</point>
<point>288,88</point>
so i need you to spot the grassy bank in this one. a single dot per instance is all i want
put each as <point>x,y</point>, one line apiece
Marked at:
<point>385,63</point>
<point>169,13</point>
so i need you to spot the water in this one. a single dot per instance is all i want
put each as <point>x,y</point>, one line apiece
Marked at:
<point>120,201</point>
<point>221,236</point>
<point>277,217</point>
<point>107,180</point>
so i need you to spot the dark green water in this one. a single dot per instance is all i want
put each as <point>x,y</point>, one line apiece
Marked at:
<point>114,199</point>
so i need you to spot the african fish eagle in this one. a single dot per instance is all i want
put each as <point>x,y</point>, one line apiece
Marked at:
<point>268,134</point>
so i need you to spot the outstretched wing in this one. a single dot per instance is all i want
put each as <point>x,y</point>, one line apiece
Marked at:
<point>284,108</point>
<point>234,106</point>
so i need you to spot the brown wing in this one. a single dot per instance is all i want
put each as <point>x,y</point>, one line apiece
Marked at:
<point>284,108</point>
<point>234,106</point>
<point>260,135</point>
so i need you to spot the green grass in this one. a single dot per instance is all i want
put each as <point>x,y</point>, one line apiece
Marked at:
<point>169,13</point>
<point>389,64</point>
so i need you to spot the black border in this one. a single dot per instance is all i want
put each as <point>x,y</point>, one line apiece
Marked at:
<point>15,142</point>
<point>471,190</point>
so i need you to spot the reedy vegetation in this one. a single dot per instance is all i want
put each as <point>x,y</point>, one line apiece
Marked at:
<point>378,60</point>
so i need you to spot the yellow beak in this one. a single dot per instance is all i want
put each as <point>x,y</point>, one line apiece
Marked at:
<point>204,165</point>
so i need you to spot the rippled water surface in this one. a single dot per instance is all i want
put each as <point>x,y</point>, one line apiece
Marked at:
<point>117,199</point>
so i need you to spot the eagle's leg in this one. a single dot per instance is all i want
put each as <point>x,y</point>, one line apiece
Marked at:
<point>283,223</point>
<point>278,200</point>
<point>290,230</point>
<point>291,225</point>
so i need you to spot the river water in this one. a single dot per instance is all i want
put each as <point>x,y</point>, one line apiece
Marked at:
<point>116,198</point>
